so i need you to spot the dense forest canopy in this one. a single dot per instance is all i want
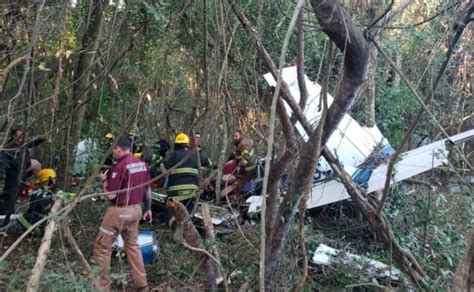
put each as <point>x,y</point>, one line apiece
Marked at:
<point>74,71</point>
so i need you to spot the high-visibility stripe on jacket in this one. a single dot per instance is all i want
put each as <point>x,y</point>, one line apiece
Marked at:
<point>184,195</point>
<point>185,175</point>
<point>244,154</point>
<point>24,222</point>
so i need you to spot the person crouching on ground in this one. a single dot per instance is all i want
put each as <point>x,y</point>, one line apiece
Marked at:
<point>127,188</point>
<point>242,162</point>
<point>41,198</point>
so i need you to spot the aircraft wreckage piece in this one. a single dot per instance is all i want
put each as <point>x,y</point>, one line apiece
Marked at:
<point>328,256</point>
<point>350,143</point>
<point>219,215</point>
<point>363,152</point>
<point>412,162</point>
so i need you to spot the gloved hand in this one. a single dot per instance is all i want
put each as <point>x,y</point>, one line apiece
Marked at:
<point>165,183</point>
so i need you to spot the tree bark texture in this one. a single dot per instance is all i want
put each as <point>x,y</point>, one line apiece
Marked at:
<point>192,237</point>
<point>464,277</point>
<point>43,251</point>
<point>300,60</point>
<point>398,62</point>
<point>370,90</point>
<point>351,41</point>
<point>69,238</point>
<point>90,44</point>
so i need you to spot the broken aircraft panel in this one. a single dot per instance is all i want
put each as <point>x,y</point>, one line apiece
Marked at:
<point>352,144</point>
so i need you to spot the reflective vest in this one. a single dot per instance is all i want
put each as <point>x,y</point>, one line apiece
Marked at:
<point>185,177</point>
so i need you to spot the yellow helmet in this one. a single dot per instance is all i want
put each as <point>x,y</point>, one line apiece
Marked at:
<point>45,175</point>
<point>181,139</point>
<point>110,136</point>
<point>137,155</point>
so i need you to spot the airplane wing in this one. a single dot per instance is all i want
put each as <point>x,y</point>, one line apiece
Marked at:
<point>412,162</point>
<point>352,144</point>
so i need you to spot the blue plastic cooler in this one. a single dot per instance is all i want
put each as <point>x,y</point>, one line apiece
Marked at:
<point>148,246</point>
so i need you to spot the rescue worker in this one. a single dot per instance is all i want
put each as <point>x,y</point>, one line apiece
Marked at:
<point>196,143</point>
<point>14,167</point>
<point>109,160</point>
<point>41,198</point>
<point>163,146</point>
<point>244,160</point>
<point>183,180</point>
<point>137,143</point>
<point>153,159</point>
<point>127,189</point>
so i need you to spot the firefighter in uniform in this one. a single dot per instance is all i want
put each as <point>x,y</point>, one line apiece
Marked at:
<point>13,168</point>
<point>245,164</point>
<point>41,198</point>
<point>183,180</point>
<point>127,189</point>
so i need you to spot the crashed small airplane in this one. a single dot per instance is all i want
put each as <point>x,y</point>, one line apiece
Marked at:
<point>362,151</point>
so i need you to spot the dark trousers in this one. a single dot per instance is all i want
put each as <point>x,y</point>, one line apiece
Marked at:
<point>10,189</point>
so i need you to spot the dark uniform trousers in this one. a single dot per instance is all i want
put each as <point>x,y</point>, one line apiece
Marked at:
<point>188,203</point>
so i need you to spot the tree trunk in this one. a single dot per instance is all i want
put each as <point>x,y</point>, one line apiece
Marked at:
<point>464,277</point>
<point>339,28</point>
<point>43,251</point>
<point>370,91</point>
<point>90,44</point>
<point>192,237</point>
<point>398,62</point>
<point>300,60</point>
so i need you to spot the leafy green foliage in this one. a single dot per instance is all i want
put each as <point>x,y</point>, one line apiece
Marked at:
<point>426,224</point>
<point>61,281</point>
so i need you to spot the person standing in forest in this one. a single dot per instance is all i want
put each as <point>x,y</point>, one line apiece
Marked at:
<point>163,146</point>
<point>196,142</point>
<point>14,168</point>
<point>127,189</point>
<point>183,180</point>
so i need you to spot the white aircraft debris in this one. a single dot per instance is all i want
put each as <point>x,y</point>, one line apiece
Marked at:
<point>219,215</point>
<point>353,144</point>
<point>328,256</point>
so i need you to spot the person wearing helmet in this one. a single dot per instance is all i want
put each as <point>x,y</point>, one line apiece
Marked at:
<point>14,167</point>
<point>41,198</point>
<point>183,179</point>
